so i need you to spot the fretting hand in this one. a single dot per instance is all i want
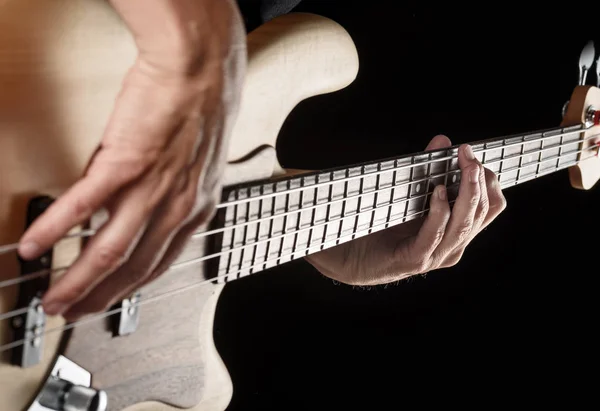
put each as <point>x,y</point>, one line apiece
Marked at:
<point>425,244</point>
<point>158,168</point>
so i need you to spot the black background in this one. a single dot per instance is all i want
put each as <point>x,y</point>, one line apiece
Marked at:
<point>514,322</point>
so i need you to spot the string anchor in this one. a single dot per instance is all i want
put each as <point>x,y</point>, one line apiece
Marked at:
<point>586,60</point>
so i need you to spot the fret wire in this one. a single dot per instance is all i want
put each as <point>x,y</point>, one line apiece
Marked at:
<point>559,153</point>
<point>314,214</point>
<point>343,212</point>
<point>299,217</point>
<point>233,232</point>
<point>409,192</point>
<point>285,218</point>
<point>501,159</point>
<point>271,223</point>
<point>327,216</point>
<point>393,190</point>
<point>539,161</point>
<point>245,232</point>
<point>257,236</point>
<point>428,174</point>
<point>485,147</point>
<point>520,161</point>
<point>361,187</point>
<point>375,196</point>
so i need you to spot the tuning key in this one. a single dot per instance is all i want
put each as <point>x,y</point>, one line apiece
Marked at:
<point>598,72</point>
<point>586,59</point>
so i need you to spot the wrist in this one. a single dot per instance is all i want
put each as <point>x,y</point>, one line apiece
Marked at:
<point>184,36</point>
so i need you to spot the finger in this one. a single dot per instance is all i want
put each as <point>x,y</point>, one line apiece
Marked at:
<point>106,250</point>
<point>437,142</point>
<point>483,206</point>
<point>462,218</point>
<point>497,201</point>
<point>166,221</point>
<point>78,204</point>
<point>139,269</point>
<point>431,233</point>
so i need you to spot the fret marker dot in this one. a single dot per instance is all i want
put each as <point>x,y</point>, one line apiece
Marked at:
<point>418,188</point>
<point>454,178</point>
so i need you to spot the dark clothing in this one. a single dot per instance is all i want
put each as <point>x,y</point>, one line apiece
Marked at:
<point>258,12</point>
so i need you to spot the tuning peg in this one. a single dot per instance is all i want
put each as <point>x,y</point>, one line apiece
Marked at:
<point>586,59</point>
<point>598,72</point>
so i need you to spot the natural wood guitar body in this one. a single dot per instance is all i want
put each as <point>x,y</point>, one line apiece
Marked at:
<point>61,66</point>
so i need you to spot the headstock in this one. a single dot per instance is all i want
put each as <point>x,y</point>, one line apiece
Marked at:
<point>584,108</point>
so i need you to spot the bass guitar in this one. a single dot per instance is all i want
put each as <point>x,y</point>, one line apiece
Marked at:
<point>155,351</point>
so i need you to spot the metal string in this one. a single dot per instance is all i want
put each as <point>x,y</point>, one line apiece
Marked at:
<point>87,233</point>
<point>305,251</point>
<point>41,273</point>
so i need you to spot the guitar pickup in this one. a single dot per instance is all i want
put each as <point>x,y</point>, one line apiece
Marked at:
<point>29,326</point>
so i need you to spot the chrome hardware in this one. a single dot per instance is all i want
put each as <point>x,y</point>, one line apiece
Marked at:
<point>591,116</point>
<point>564,108</point>
<point>128,318</point>
<point>29,326</point>
<point>68,388</point>
<point>586,59</point>
<point>598,72</point>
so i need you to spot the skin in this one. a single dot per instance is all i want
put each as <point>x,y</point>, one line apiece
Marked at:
<point>158,171</point>
<point>418,246</point>
<point>158,168</point>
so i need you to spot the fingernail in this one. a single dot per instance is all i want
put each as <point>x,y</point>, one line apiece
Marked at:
<point>469,153</point>
<point>474,175</point>
<point>28,250</point>
<point>55,308</point>
<point>441,192</point>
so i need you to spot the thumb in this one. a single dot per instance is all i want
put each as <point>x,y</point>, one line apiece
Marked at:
<point>439,141</point>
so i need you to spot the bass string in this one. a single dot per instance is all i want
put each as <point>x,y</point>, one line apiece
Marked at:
<point>90,232</point>
<point>41,273</point>
<point>158,297</point>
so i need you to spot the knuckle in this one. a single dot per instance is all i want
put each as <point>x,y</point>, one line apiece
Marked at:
<point>438,236</point>
<point>484,206</point>
<point>474,200</point>
<point>82,207</point>
<point>464,230</point>
<point>108,257</point>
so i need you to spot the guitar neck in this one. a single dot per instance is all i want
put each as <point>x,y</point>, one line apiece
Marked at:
<point>265,224</point>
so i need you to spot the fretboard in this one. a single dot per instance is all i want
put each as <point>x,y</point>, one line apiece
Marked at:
<point>268,223</point>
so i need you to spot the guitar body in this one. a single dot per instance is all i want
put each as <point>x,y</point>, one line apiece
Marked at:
<point>61,66</point>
